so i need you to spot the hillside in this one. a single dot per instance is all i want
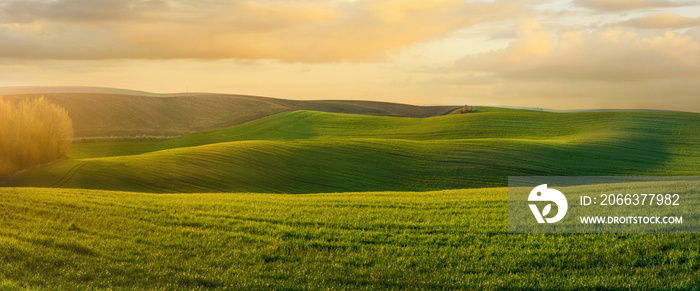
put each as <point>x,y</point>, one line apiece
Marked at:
<point>313,152</point>
<point>112,113</point>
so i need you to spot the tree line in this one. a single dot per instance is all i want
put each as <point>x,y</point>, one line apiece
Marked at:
<point>32,132</point>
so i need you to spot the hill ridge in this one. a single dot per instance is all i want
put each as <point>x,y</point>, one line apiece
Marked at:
<point>110,113</point>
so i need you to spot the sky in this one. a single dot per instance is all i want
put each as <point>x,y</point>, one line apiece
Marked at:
<point>569,54</point>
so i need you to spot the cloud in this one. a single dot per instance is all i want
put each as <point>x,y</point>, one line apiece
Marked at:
<point>623,5</point>
<point>663,21</point>
<point>15,11</point>
<point>297,31</point>
<point>611,54</point>
<point>604,67</point>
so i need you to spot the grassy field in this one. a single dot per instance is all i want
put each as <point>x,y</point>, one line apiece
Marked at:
<point>336,226</point>
<point>317,152</point>
<point>65,239</point>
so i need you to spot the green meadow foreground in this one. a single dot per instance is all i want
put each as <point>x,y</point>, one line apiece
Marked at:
<point>67,239</point>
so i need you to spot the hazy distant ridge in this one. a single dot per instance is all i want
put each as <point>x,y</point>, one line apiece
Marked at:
<point>107,112</point>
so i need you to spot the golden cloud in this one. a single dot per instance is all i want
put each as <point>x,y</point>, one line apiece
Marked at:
<point>303,31</point>
<point>610,54</point>
<point>604,67</point>
<point>622,5</point>
<point>663,21</point>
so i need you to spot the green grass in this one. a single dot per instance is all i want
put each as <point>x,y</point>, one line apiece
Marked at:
<point>82,239</point>
<point>64,239</point>
<point>315,152</point>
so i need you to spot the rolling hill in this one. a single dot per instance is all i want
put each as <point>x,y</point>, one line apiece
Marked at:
<point>148,236</point>
<point>104,113</point>
<point>316,152</point>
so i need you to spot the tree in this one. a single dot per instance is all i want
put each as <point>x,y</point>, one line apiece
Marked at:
<point>32,132</point>
<point>466,109</point>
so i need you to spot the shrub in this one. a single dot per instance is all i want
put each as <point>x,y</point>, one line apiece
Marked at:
<point>32,132</point>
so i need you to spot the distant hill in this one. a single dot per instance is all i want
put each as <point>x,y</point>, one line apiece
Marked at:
<point>317,152</point>
<point>21,90</point>
<point>105,112</point>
